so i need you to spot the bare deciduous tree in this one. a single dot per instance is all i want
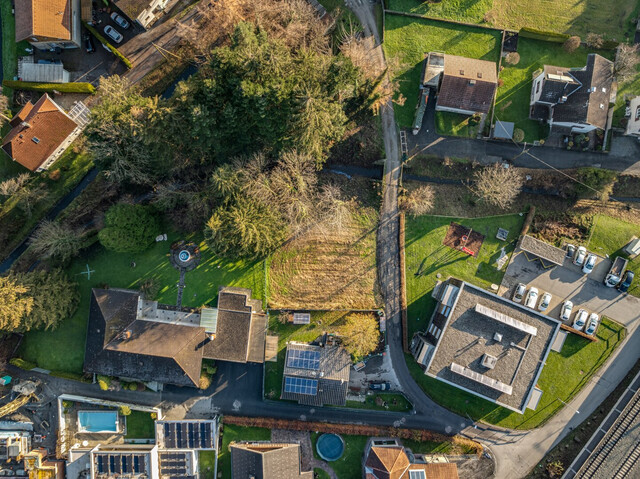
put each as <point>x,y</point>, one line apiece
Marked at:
<point>594,40</point>
<point>571,44</point>
<point>13,185</point>
<point>53,239</point>
<point>418,201</point>
<point>497,185</point>
<point>626,62</point>
<point>28,197</point>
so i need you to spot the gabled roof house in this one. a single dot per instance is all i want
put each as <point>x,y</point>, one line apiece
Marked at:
<point>40,133</point>
<point>133,338</point>
<point>265,460</point>
<point>49,23</point>
<point>574,98</point>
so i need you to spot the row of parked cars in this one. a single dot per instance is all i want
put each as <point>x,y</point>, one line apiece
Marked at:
<point>582,320</point>
<point>618,277</point>
<point>582,258</point>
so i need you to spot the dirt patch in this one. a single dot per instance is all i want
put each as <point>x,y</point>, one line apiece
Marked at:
<point>476,468</point>
<point>462,238</point>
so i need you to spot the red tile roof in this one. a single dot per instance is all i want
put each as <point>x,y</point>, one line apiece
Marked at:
<point>41,129</point>
<point>43,18</point>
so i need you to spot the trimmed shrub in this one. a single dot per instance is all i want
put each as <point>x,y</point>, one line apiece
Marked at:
<point>105,42</point>
<point>71,87</point>
<point>572,44</point>
<point>125,410</point>
<point>67,375</point>
<point>22,364</point>
<point>518,135</point>
<point>512,58</point>
<point>104,382</point>
<point>536,34</point>
<point>129,228</point>
<point>54,175</point>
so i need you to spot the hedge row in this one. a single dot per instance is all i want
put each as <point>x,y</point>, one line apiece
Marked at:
<point>72,87</point>
<point>536,34</point>
<point>105,42</point>
<point>354,429</point>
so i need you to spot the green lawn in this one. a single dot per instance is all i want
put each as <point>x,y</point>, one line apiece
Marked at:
<point>320,474</point>
<point>321,321</point>
<point>394,402</point>
<point>140,425</point>
<point>232,433</point>
<point>73,167</point>
<point>207,464</point>
<point>349,466</point>
<point>513,98</point>
<point>63,349</point>
<point>608,237</point>
<point>455,124</point>
<point>564,374</point>
<point>408,39</point>
<point>427,257</point>
<point>613,19</point>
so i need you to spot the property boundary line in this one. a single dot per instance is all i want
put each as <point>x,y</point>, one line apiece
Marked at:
<point>435,19</point>
<point>403,283</point>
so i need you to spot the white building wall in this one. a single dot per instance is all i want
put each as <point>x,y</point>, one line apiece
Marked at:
<point>454,110</point>
<point>536,88</point>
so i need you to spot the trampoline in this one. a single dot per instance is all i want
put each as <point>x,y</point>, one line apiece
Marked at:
<point>330,447</point>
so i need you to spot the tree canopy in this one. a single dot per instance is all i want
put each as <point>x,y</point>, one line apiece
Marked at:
<point>128,228</point>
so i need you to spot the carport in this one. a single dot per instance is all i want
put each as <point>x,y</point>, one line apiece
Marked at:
<point>535,249</point>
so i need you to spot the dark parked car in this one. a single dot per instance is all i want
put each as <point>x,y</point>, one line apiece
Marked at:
<point>88,44</point>
<point>627,279</point>
<point>380,386</point>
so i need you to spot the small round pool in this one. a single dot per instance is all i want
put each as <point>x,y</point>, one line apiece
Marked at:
<point>330,447</point>
<point>184,255</point>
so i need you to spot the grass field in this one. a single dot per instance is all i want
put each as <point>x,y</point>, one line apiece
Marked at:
<point>140,425</point>
<point>608,237</point>
<point>564,374</point>
<point>207,464</point>
<point>513,98</point>
<point>628,89</point>
<point>612,19</point>
<point>63,349</point>
<point>233,433</point>
<point>427,257</point>
<point>454,124</point>
<point>408,39</point>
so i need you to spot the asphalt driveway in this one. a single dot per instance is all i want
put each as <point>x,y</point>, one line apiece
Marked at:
<point>568,282</point>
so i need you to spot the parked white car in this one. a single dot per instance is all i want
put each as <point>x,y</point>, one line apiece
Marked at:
<point>544,302</point>
<point>120,20</point>
<point>532,298</point>
<point>580,320</point>
<point>518,294</point>
<point>589,263</point>
<point>581,254</point>
<point>565,312</point>
<point>593,324</point>
<point>112,33</point>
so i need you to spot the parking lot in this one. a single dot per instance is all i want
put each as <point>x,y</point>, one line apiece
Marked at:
<point>568,282</point>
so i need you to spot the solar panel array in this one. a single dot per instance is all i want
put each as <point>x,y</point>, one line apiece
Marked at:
<point>117,464</point>
<point>301,318</point>
<point>301,386</point>
<point>303,359</point>
<point>174,464</point>
<point>188,435</point>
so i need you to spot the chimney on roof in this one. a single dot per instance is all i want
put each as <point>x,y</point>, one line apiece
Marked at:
<point>479,74</point>
<point>472,82</point>
<point>24,124</point>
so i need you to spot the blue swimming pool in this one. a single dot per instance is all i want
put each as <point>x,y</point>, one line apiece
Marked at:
<point>97,421</point>
<point>330,447</point>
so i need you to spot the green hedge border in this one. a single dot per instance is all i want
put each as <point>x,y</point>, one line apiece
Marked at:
<point>113,49</point>
<point>536,34</point>
<point>73,87</point>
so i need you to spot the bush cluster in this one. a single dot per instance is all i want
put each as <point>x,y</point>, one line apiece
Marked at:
<point>71,87</point>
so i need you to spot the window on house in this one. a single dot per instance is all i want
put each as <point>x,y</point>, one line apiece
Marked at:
<point>36,139</point>
<point>538,87</point>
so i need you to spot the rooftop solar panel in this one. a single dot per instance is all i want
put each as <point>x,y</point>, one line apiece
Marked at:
<point>301,386</point>
<point>301,318</point>
<point>303,359</point>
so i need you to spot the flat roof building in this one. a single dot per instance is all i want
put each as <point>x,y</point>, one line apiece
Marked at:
<point>485,344</point>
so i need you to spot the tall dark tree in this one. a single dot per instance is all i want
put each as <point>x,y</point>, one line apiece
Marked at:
<point>129,228</point>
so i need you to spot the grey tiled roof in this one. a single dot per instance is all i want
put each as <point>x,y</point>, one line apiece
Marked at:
<point>542,250</point>
<point>266,461</point>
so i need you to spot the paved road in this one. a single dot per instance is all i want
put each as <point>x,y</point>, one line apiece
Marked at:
<point>623,157</point>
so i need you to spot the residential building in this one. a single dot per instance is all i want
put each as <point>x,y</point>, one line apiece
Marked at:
<point>266,460</point>
<point>576,99</point>
<point>389,459</point>
<point>486,345</point>
<point>41,132</point>
<point>47,24</point>
<point>464,85</point>
<point>316,375</point>
<point>30,71</point>
<point>633,117</point>
<point>143,12</point>
<point>133,338</point>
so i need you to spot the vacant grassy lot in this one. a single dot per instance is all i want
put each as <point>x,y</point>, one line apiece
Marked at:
<point>612,19</point>
<point>329,267</point>
<point>321,322</point>
<point>454,124</point>
<point>512,101</point>
<point>140,425</point>
<point>63,349</point>
<point>427,257</point>
<point>233,433</point>
<point>608,237</point>
<point>564,374</point>
<point>408,39</point>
